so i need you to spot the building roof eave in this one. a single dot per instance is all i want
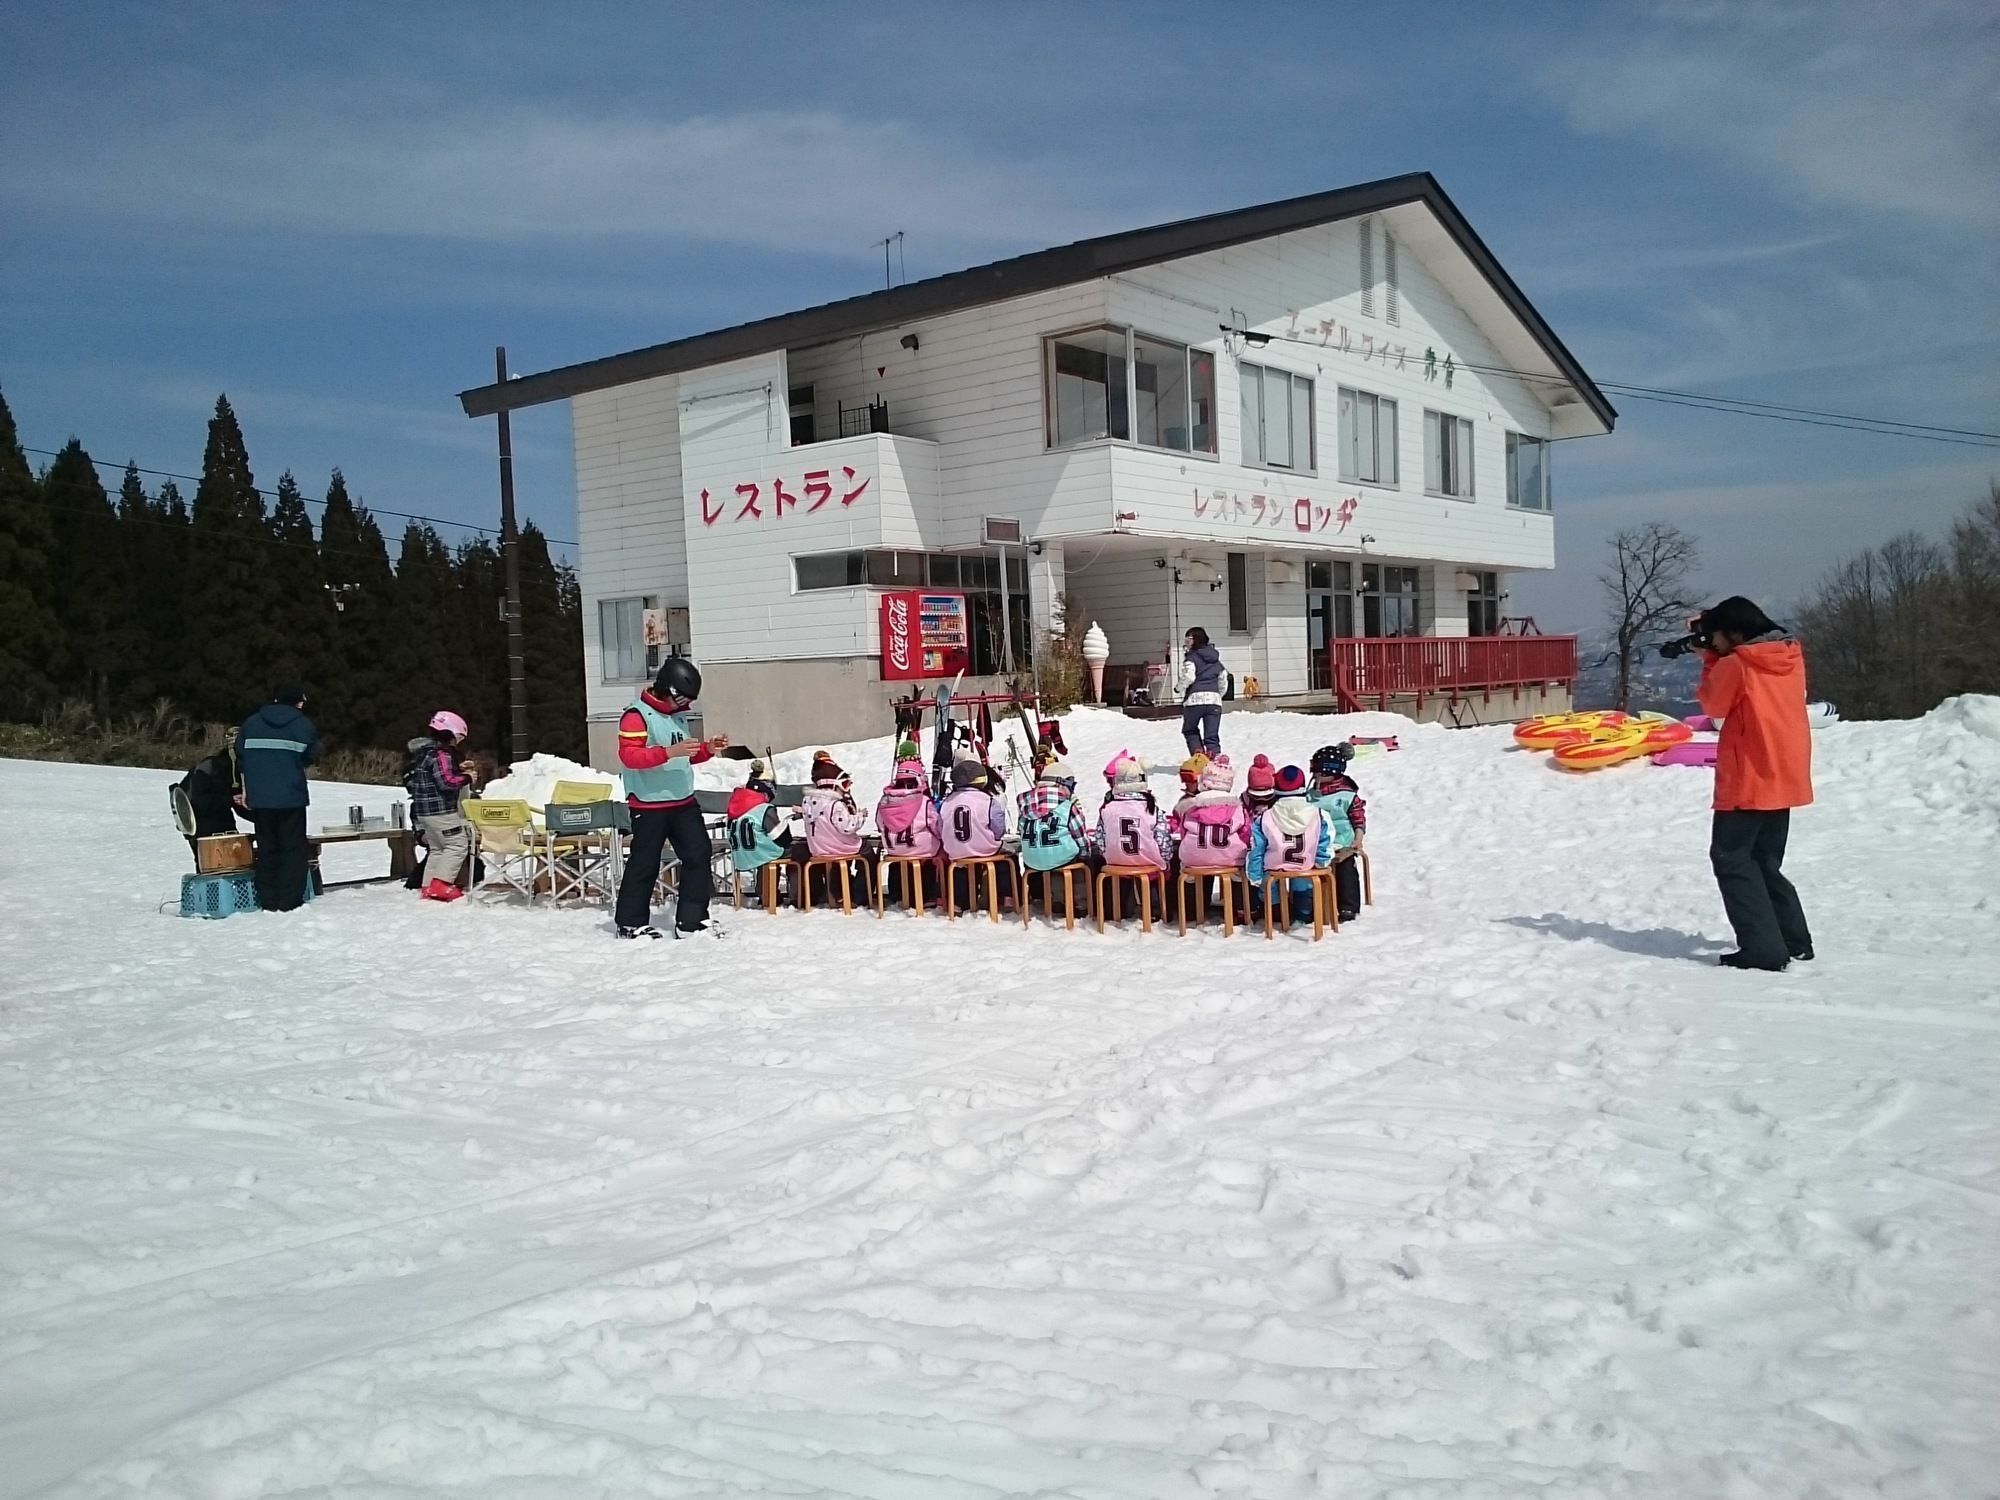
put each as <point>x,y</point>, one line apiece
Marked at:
<point>1042,270</point>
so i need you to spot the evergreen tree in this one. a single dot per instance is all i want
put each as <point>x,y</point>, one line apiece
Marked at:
<point>137,587</point>
<point>481,640</point>
<point>27,623</point>
<point>303,613</point>
<point>552,625</point>
<point>86,578</point>
<point>359,704</point>
<point>232,636</point>
<point>164,551</point>
<point>427,621</point>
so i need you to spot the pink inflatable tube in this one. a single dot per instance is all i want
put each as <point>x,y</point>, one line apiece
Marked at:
<point>1693,753</point>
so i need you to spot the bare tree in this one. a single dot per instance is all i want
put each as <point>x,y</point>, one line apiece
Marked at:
<point>1649,587</point>
<point>1892,632</point>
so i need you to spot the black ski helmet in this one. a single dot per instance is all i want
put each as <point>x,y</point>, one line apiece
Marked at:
<point>1331,760</point>
<point>678,678</point>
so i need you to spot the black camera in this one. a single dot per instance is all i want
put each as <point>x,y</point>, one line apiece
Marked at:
<point>1694,640</point>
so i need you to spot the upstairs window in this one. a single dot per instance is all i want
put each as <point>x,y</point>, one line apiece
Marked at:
<point>623,629</point>
<point>1277,418</point>
<point>1115,383</point>
<point>1447,455</point>
<point>1367,438</point>
<point>1527,471</point>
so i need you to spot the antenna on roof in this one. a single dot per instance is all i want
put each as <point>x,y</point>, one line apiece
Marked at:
<point>895,239</point>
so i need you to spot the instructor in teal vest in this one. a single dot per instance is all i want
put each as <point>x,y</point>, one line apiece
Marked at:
<point>658,761</point>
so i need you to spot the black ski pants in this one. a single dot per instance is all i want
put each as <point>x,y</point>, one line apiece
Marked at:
<point>652,830</point>
<point>1747,850</point>
<point>281,857</point>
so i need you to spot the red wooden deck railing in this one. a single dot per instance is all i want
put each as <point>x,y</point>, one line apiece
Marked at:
<point>1446,666</point>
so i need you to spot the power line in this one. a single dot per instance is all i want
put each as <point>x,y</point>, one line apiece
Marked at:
<point>1707,401</point>
<point>401,515</point>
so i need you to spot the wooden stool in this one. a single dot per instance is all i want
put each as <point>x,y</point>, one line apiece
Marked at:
<point>1069,872</point>
<point>1325,901</point>
<point>841,862</point>
<point>1367,878</point>
<point>991,864</point>
<point>1195,883</point>
<point>913,867</point>
<point>1111,880</point>
<point>767,884</point>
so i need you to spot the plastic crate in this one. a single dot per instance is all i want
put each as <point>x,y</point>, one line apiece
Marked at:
<point>213,896</point>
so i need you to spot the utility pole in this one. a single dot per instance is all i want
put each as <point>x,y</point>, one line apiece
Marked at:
<point>510,558</point>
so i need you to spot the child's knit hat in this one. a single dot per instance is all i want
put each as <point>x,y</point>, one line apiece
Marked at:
<point>906,750</point>
<point>1290,781</point>
<point>1111,766</point>
<point>909,774</point>
<point>1191,770</point>
<point>1129,779</point>
<point>825,768</point>
<point>1218,775</point>
<point>1057,770</point>
<point>1263,775</point>
<point>967,773</point>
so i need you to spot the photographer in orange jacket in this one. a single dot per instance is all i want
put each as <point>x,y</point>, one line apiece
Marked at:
<point>1753,678</point>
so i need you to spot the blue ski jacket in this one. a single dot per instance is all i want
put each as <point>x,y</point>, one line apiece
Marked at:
<point>273,748</point>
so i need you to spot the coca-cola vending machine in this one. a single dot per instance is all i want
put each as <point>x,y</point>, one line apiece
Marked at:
<point>924,634</point>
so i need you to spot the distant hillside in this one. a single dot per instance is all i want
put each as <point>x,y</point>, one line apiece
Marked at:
<point>1666,686</point>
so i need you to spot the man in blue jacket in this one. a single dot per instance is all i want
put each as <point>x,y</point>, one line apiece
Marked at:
<point>273,749</point>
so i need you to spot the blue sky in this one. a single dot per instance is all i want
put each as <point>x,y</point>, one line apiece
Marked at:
<point>333,213</point>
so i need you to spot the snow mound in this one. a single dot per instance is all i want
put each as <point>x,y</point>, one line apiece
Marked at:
<point>1507,1190</point>
<point>533,780</point>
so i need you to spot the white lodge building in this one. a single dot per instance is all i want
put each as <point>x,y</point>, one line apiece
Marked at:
<point>1320,429</point>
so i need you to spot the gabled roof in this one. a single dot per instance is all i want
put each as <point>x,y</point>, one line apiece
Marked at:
<point>1065,265</point>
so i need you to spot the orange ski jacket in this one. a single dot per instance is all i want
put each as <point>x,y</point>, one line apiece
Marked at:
<point>1764,760</point>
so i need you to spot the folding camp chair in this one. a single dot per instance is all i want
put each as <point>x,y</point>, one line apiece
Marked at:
<point>503,836</point>
<point>583,841</point>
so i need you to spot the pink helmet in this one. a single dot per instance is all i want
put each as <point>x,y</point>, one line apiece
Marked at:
<point>450,723</point>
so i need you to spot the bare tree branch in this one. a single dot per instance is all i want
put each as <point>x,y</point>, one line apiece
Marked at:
<point>1648,586</point>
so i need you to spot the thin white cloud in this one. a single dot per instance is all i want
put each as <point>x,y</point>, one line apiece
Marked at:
<point>1861,104</point>
<point>819,182</point>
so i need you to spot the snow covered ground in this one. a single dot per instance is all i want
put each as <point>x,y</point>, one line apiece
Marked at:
<point>1505,1191</point>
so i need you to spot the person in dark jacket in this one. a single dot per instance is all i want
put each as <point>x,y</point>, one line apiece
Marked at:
<point>1201,704</point>
<point>273,749</point>
<point>212,787</point>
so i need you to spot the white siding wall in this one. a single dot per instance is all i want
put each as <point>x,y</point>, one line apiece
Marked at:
<point>1289,285</point>
<point>1122,591</point>
<point>974,386</point>
<point>628,506</point>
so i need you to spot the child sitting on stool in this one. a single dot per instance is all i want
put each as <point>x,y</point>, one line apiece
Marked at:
<point>1131,830</point>
<point>973,825</point>
<point>834,823</point>
<point>1290,836</point>
<point>1338,795</point>
<point>760,832</point>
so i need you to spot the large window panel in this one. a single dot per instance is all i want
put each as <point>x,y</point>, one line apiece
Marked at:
<point>1160,393</point>
<point>1089,378</point>
<point>1367,437</point>
<point>1277,418</point>
<point>1201,399</point>
<point>1448,455</point>
<point>1527,471</point>
<point>621,639</point>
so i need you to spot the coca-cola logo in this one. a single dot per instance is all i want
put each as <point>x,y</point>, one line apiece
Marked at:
<point>898,618</point>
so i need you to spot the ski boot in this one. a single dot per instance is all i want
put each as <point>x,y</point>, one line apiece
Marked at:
<point>439,890</point>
